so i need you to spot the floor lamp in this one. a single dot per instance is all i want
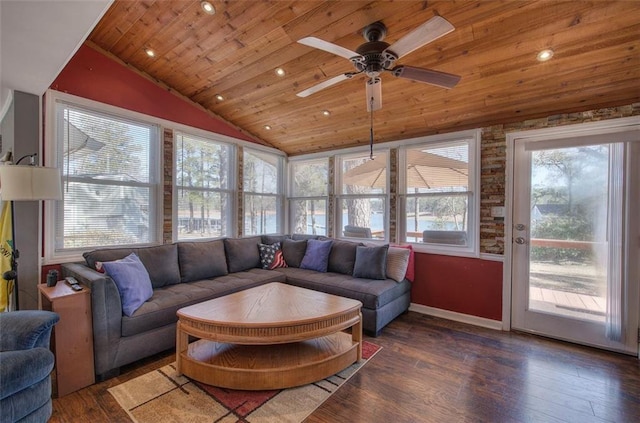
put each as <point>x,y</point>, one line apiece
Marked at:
<point>26,183</point>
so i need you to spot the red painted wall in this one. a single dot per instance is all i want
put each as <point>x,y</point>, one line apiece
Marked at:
<point>90,74</point>
<point>464,285</point>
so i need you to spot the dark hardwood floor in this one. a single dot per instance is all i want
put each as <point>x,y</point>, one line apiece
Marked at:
<point>435,370</point>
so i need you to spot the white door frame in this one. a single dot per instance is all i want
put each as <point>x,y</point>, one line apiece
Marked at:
<point>606,126</point>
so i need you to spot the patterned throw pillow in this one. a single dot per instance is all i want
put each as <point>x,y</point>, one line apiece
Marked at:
<point>271,256</point>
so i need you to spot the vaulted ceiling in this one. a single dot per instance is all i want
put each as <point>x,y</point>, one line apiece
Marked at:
<point>235,52</point>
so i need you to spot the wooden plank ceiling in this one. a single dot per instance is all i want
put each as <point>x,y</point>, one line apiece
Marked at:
<point>234,53</point>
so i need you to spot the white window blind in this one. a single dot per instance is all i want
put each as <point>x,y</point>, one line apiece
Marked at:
<point>110,183</point>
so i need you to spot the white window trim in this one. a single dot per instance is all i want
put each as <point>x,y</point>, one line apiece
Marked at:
<point>52,99</point>
<point>53,96</point>
<point>339,196</point>
<point>290,198</point>
<point>279,195</point>
<point>233,175</point>
<point>472,249</point>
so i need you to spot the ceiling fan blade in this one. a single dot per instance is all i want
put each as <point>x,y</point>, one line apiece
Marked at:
<point>428,76</point>
<point>329,47</point>
<point>325,84</point>
<point>374,94</point>
<point>429,31</point>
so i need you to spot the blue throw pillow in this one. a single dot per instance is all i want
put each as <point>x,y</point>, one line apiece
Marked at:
<point>132,280</point>
<point>317,255</point>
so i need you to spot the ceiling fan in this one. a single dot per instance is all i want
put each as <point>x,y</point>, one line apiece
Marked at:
<point>376,56</point>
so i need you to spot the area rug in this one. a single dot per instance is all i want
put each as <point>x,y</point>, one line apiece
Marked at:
<point>161,396</point>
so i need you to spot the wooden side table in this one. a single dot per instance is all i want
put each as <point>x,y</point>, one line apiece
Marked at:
<point>72,337</point>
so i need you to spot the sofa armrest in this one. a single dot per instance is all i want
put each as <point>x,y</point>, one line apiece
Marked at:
<point>106,310</point>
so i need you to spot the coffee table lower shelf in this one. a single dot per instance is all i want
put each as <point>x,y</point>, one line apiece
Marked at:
<point>262,367</point>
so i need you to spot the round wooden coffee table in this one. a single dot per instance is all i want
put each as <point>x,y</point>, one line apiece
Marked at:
<point>270,337</point>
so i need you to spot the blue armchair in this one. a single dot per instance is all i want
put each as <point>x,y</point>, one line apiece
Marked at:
<point>25,365</point>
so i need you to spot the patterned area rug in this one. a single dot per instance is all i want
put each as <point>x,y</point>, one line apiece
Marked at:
<point>161,396</point>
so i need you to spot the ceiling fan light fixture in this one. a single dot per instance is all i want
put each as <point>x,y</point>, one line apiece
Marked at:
<point>208,8</point>
<point>544,55</point>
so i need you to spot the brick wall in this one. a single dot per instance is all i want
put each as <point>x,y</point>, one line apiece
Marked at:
<point>167,184</point>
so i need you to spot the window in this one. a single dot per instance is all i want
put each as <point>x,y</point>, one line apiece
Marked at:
<point>362,198</point>
<point>263,199</point>
<point>439,185</point>
<point>308,196</point>
<point>205,205</point>
<point>110,168</point>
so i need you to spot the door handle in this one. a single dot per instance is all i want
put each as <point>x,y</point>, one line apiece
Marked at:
<point>520,240</point>
<point>520,227</point>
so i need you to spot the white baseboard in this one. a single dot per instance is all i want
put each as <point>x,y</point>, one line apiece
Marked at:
<point>457,317</point>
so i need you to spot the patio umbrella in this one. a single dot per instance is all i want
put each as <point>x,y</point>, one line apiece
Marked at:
<point>78,142</point>
<point>424,170</point>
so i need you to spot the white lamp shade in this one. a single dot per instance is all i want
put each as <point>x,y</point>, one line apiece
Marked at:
<point>23,183</point>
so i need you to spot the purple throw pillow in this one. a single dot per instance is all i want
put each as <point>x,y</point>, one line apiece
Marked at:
<point>317,255</point>
<point>132,280</point>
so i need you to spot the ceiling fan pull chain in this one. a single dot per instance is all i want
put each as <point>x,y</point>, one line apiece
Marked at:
<point>371,131</point>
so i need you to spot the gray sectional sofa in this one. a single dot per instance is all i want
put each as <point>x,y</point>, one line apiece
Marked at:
<point>185,273</point>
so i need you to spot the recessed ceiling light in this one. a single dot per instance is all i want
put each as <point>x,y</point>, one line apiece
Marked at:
<point>207,7</point>
<point>280,72</point>
<point>267,127</point>
<point>326,112</point>
<point>545,55</point>
<point>150,52</point>
<point>219,97</point>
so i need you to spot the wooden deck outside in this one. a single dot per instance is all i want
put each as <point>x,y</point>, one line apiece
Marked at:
<point>569,302</point>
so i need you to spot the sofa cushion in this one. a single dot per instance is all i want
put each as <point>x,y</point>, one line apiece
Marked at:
<point>371,262</point>
<point>271,256</point>
<point>132,280</point>
<point>242,253</point>
<point>317,255</point>
<point>293,251</point>
<point>161,309</point>
<point>202,260</point>
<point>397,263</point>
<point>342,257</point>
<point>373,294</point>
<point>161,261</point>
<point>298,237</point>
<point>272,239</point>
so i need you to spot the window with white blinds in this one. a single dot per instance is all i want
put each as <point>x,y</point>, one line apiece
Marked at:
<point>204,175</point>
<point>110,175</point>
